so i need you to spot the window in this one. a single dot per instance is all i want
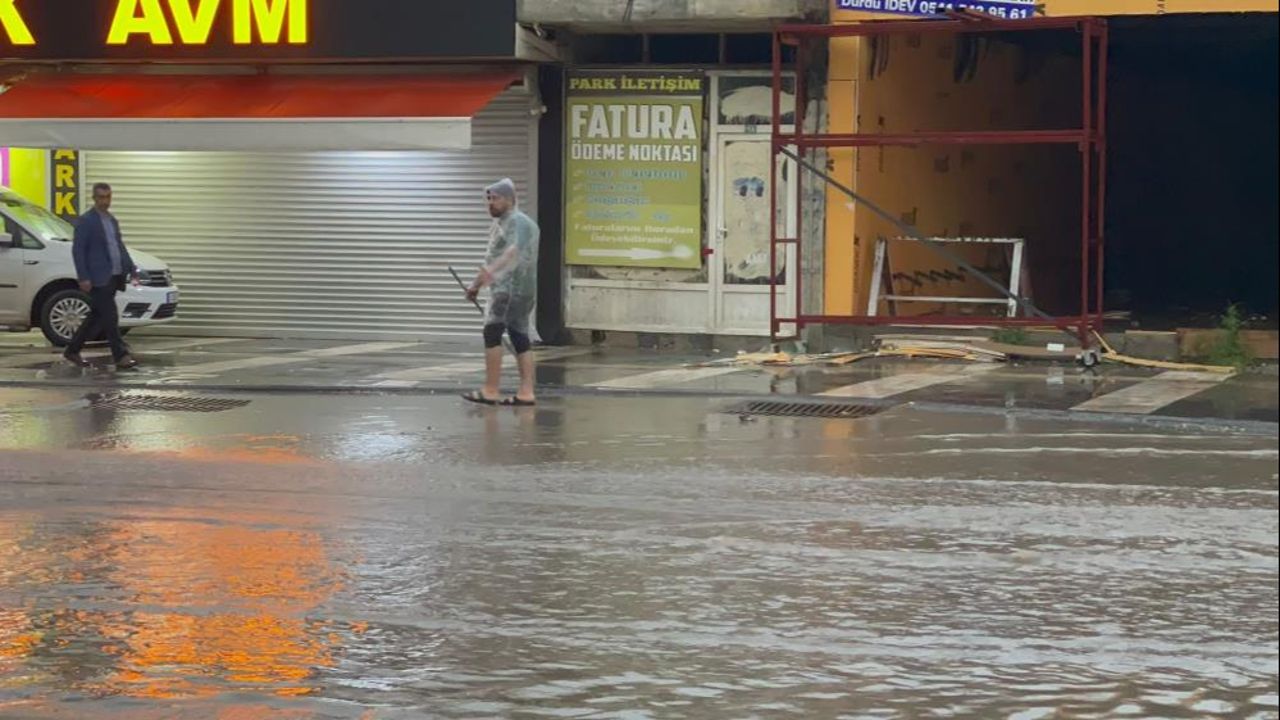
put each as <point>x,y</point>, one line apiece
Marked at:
<point>733,49</point>
<point>35,225</point>
<point>609,49</point>
<point>22,238</point>
<point>684,49</point>
<point>754,49</point>
<point>748,100</point>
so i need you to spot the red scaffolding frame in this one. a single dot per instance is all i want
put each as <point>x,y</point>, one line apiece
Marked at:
<point>1090,139</point>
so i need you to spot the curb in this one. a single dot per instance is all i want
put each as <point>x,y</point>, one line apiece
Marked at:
<point>1258,428</point>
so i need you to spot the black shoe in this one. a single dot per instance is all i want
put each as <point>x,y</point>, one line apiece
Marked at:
<point>126,362</point>
<point>75,359</point>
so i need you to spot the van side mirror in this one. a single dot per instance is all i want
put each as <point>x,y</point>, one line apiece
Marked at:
<point>6,241</point>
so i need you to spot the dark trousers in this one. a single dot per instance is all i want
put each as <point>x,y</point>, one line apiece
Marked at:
<point>104,319</point>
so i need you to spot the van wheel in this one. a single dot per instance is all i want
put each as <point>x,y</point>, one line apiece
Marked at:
<point>62,315</point>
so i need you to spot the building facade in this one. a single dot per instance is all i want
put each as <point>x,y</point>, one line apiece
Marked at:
<point>314,171</point>
<point>1185,120</point>
<point>332,192</point>
<point>665,231</point>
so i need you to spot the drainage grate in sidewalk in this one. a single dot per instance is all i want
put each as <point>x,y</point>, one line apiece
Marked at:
<point>792,408</point>
<point>165,403</point>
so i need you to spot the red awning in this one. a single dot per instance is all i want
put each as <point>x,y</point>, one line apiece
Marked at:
<point>236,112</point>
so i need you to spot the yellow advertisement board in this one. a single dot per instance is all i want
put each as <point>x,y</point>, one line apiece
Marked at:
<point>26,172</point>
<point>633,169</point>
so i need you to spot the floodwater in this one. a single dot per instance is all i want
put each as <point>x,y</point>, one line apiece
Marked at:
<point>612,558</point>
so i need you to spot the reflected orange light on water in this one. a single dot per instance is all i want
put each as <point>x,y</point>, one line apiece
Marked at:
<point>172,656</point>
<point>212,604</point>
<point>246,591</point>
<point>255,449</point>
<point>17,638</point>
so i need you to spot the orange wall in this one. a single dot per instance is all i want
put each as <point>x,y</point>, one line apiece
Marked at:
<point>992,191</point>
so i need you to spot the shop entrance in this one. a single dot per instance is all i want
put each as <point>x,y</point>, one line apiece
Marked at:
<point>312,169</point>
<point>953,143</point>
<point>1191,212</point>
<point>729,293</point>
<point>291,225</point>
<point>346,244</point>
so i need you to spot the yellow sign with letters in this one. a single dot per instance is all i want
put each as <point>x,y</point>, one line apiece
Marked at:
<point>64,184</point>
<point>184,22</point>
<point>13,26</point>
<point>190,22</point>
<point>254,30</point>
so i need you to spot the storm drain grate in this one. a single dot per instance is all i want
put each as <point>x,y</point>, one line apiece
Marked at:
<point>166,403</point>
<point>785,408</point>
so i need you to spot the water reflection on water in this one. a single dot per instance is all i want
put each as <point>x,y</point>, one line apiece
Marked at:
<point>179,605</point>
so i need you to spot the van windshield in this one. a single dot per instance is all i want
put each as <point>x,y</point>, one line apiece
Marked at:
<point>46,226</point>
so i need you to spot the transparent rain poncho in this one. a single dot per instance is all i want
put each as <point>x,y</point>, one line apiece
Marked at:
<point>512,261</point>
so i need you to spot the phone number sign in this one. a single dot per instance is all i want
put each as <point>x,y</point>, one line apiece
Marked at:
<point>1007,9</point>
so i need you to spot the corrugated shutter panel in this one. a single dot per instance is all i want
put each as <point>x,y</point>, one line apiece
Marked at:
<point>352,245</point>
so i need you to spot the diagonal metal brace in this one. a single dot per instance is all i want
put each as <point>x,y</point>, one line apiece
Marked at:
<point>914,234</point>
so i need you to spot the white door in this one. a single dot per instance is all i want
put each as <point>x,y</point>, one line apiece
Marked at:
<point>740,263</point>
<point>11,274</point>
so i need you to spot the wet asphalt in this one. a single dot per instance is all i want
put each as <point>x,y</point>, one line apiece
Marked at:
<point>450,365</point>
<point>390,556</point>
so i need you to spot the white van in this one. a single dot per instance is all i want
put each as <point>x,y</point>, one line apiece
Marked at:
<point>38,285</point>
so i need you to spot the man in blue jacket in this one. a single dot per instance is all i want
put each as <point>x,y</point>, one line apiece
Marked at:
<point>103,266</point>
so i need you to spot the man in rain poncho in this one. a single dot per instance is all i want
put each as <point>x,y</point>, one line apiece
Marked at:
<point>510,272</point>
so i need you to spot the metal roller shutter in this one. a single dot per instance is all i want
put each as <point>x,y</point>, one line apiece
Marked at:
<point>335,244</point>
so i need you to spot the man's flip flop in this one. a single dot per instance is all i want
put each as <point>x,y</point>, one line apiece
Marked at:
<point>475,397</point>
<point>517,402</point>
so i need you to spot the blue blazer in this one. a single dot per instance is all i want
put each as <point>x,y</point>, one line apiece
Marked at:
<point>89,249</point>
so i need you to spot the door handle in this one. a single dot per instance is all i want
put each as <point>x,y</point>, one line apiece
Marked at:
<point>30,262</point>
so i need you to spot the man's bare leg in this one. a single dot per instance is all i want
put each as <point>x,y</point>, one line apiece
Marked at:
<point>492,373</point>
<point>524,361</point>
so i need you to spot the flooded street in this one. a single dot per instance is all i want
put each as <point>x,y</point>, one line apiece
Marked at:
<point>373,557</point>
